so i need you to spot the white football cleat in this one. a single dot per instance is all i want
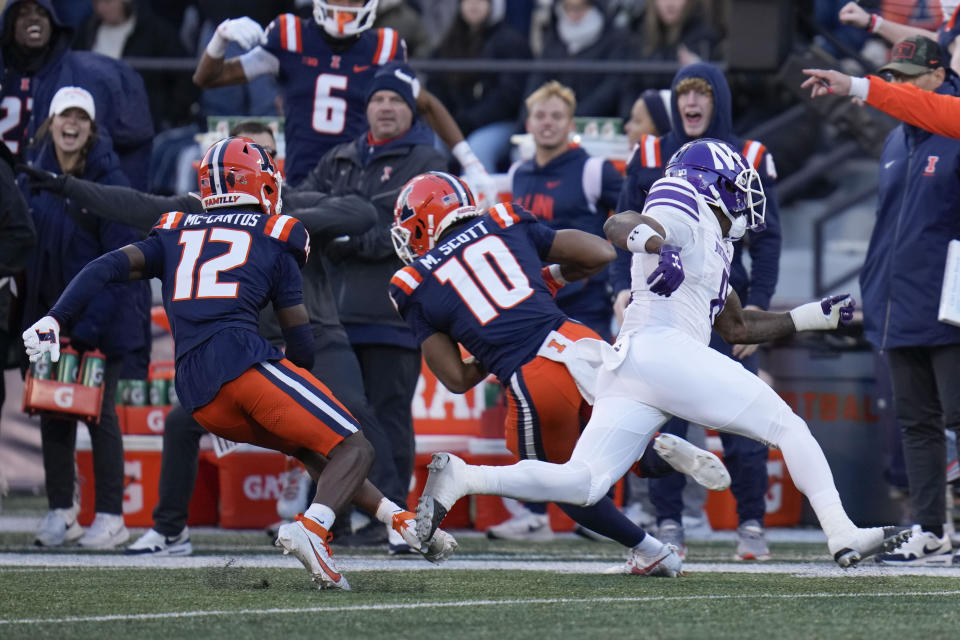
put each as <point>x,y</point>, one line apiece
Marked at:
<point>307,540</point>
<point>441,546</point>
<point>666,563</point>
<point>855,545</point>
<point>445,485</point>
<point>405,524</point>
<point>701,465</point>
<point>155,544</point>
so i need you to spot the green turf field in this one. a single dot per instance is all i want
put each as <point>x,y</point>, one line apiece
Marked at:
<point>236,586</point>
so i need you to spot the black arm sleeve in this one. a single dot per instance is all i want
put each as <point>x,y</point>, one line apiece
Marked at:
<point>125,205</point>
<point>17,235</point>
<point>328,217</point>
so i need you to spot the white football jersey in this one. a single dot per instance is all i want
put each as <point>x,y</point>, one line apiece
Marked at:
<point>705,254</point>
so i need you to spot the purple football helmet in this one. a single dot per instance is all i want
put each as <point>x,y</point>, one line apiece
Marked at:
<point>724,178</point>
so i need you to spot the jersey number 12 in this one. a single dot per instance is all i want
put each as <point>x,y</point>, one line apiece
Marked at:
<point>206,278</point>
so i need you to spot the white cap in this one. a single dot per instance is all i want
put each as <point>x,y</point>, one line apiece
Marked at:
<point>68,97</point>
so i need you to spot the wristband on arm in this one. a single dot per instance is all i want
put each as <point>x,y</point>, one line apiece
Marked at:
<point>637,240</point>
<point>875,23</point>
<point>554,278</point>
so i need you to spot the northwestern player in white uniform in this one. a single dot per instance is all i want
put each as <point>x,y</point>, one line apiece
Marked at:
<point>661,364</point>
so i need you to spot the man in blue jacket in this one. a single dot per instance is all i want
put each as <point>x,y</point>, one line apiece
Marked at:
<point>917,204</point>
<point>701,108</point>
<point>36,60</point>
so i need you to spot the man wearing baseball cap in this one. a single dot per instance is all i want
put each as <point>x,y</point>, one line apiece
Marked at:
<point>917,202</point>
<point>395,147</point>
<point>917,60</point>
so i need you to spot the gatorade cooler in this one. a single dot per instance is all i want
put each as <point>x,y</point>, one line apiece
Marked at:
<point>249,487</point>
<point>141,470</point>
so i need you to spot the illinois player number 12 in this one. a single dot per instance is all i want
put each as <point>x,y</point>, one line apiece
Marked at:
<point>206,277</point>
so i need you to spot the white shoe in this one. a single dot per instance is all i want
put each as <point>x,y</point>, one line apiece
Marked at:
<point>294,496</point>
<point>445,485</point>
<point>59,526</point>
<point>921,549</point>
<point>701,465</point>
<point>106,532</point>
<point>153,543</point>
<point>853,546</point>
<point>441,546</point>
<point>666,563</point>
<point>526,526</point>
<point>307,541</point>
<point>402,536</point>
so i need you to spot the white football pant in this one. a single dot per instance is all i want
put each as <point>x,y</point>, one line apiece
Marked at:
<point>664,372</point>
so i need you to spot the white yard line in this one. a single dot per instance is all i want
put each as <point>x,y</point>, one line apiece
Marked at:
<point>469,603</point>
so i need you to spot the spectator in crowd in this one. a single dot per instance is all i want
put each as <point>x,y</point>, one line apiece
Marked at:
<point>649,116</point>
<point>567,189</point>
<point>325,218</point>
<point>677,31</point>
<point>323,104</point>
<point>395,147</point>
<point>128,28</point>
<point>36,62</point>
<point>17,240</point>
<point>405,20</point>
<point>701,108</point>
<point>116,322</point>
<point>485,105</point>
<point>918,198</point>
<point>854,15</point>
<point>580,31</point>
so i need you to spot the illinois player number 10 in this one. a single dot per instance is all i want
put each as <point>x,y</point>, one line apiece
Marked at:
<point>483,288</point>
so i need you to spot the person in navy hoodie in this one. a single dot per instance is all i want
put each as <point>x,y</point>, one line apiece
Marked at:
<point>701,108</point>
<point>566,188</point>
<point>116,323</point>
<point>36,60</point>
<point>395,147</point>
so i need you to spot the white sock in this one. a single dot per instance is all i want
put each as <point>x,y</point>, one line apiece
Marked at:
<point>385,510</point>
<point>532,480</point>
<point>649,545</point>
<point>811,474</point>
<point>321,514</point>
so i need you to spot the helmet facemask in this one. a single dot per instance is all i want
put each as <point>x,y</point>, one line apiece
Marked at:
<point>343,21</point>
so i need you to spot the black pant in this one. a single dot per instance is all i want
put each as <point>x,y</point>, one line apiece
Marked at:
<point>335,365</point>
<point>927,401</point>
<point>59,438</point>
<point>390,375</point>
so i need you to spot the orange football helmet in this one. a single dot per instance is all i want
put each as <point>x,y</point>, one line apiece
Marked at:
<point>237,171</point>
<point>427,205</point>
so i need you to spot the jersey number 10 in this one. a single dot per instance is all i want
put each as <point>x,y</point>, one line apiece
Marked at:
<point>502,287</point>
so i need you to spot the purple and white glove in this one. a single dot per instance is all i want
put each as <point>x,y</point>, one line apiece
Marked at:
<point>43,337</point>
<point>668,276</point>
<point>824,315</point>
